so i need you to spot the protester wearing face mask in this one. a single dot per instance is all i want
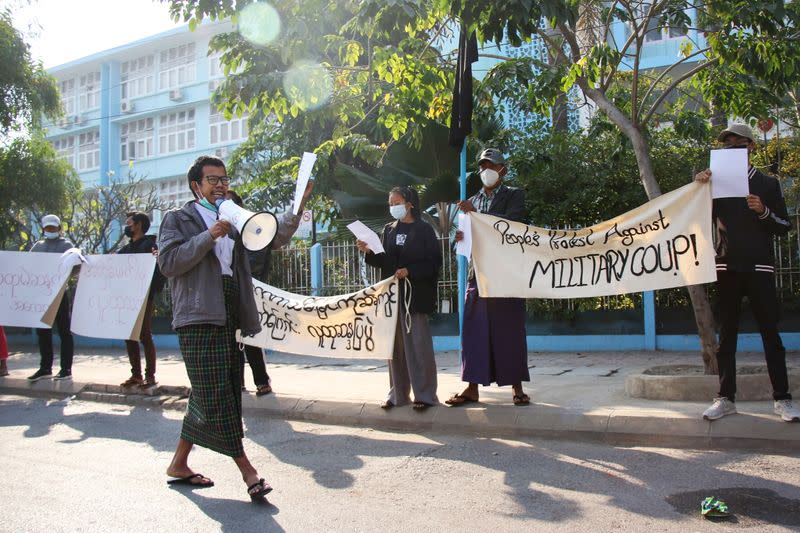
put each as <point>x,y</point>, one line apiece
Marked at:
<point>136,226</point>
<point>493,343</point>
<point>744,237</point>
<point>54,243</point>
<point>414,256</point>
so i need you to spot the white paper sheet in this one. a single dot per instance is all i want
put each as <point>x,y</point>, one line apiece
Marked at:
<point>363,233</point>
<point>729,173</point>
<point>30,285</point>
<point>306,166</point>
<point>111,295</point>
<point>464,246</point>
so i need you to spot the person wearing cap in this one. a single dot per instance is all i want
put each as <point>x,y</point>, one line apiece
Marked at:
<point>744,233</point>
<point>212,297</point>
<point>493,342</point>
<point>54,243</point>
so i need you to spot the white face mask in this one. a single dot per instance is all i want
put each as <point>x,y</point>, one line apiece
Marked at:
<point>398,211</point>
<point>489,177</point>
<point>51,235</point>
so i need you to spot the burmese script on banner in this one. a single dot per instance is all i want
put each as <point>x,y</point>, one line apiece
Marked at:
<point>357,325</point>
<point>31,283</point>
<point>662,244</point>
<point>111,295</point>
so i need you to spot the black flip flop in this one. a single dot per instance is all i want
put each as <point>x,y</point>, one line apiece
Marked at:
<point>188,481</point>
<point>259,489</point>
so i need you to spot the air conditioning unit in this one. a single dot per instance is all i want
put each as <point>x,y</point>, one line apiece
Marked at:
<point>212,85</point>
<point>65,123</point>
<point>126,106</point>
<point>175,95</point>
<point>80,120</point>
<point>221,152</point>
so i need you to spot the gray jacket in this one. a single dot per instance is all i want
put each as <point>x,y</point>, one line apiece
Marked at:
<point>53,246</point>
<point>186,257</point>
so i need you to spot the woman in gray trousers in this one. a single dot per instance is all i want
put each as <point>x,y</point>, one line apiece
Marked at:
<point>412,254</point>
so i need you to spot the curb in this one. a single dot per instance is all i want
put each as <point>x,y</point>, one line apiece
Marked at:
<point>617,426</point>
<point>749,387</point>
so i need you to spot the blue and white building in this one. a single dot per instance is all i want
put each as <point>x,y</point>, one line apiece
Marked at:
<point>145,108</point>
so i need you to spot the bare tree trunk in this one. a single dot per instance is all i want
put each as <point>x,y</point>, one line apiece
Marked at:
<point>704,318</point>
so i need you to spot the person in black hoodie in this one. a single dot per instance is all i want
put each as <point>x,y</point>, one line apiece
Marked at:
<point>413,255</point>
<point>136,226</point>
<point>744,232</point>
<point>260,262</point>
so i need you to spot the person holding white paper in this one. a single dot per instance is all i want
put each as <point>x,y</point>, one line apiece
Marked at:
<point>413,255</point>
<point>493,342</point>
<point>53,242</point>
<point>260,267</point>
<point>745,230</point>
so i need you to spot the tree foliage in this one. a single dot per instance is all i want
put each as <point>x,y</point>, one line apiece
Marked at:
<point>26,90</point>
<point>33,182</point>
<point>386,77</point>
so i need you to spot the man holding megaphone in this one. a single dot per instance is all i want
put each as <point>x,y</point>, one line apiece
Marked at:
<point>212,297</point>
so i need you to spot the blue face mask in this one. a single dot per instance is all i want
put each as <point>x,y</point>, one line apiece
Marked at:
<point>208,205</point>
<point>51,234</point>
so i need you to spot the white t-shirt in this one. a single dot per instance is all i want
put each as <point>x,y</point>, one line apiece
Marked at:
<point>223,246</point>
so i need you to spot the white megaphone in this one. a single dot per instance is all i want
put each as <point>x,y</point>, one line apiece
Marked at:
<point>257,229</point>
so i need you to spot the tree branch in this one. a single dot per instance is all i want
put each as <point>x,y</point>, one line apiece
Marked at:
<point>674,84</point>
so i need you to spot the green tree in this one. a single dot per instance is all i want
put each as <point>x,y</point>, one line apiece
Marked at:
<point>33,181</point>
<point>370,77</point>
<point>26,91</point>
<point>751,50</point>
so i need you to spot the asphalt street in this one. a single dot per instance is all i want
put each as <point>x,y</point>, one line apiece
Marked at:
<point>80,466</point>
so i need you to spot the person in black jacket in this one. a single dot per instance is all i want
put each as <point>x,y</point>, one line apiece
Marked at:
<point>136,226</point>
<point>744,233</point>
<point>413,255</point>
<point>260,268</point>
<point>493,342</point>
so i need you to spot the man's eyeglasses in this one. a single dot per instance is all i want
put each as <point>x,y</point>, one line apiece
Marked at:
<point>213,180</point>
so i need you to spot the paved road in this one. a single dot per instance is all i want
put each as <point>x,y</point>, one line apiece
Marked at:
<point>82,466</point>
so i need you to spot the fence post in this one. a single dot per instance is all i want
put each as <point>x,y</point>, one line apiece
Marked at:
<point>316,269</point>
<point>649,301</point>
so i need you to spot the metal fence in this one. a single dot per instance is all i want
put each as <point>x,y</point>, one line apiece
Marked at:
<point>344,270</point>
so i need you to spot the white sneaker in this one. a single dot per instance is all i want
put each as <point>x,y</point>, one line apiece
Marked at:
<point>787,411</point>
<point>721,407</point>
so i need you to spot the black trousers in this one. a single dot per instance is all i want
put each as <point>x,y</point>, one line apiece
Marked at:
<point>759,287</point>
<point>62,322</point>
<point>255,357</point>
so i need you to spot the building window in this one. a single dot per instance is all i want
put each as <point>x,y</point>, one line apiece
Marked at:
<point>136,139</point>
<point>176,132</point>
<point>223,131</point>
<point>655,30</point>
<point>65,148</point>
<point>174,192</point>
<point>89,150</point>
<point>89,91</point>
<point>137,77</point>
<point>215,66</point>
<point>67,88</point>
<point>176,66</point>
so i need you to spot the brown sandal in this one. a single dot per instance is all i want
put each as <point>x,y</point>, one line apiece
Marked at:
<point>460,399</point>
<point>263,390</point>
<point>521,399</point>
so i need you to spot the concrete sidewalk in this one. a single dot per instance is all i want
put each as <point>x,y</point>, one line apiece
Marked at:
<point>574,395</point>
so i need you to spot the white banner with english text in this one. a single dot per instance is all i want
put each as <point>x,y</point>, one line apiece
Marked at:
<point>357,325</point>
<point>111,295</point>
<point>31,283</point>
<point>662,244</point>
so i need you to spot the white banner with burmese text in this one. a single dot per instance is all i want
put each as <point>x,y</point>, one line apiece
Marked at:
<point>662,244</point>
<point>357,325</point>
